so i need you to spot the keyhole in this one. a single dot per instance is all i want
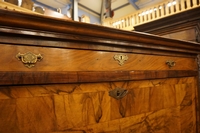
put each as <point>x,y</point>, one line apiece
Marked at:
<point>118,93</point>
<point>121,57</point>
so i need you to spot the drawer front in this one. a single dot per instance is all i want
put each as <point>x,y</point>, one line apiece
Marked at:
<point>160,105</point>
<point>57,59</point>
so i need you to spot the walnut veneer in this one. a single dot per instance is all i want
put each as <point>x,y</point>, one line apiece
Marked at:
<point>68,89</point>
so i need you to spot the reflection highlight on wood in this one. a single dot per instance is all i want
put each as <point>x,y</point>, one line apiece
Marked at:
<point>159,105</point>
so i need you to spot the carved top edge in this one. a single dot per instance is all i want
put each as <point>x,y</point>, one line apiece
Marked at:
<point>46,23</point>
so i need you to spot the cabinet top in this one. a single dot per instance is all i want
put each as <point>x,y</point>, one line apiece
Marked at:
<point>96,37</point>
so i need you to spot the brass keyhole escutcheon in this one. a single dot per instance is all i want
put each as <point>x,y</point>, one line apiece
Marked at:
<point>118,93</point>
<point>29,59</point>
<point>170,63</point>
<point>121,58</point>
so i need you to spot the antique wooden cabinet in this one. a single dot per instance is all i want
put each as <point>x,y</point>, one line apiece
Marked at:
<point>60,76</point>
<point>183,26</point>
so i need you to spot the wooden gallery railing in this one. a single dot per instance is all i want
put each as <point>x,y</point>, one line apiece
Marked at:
<point>153,13</point>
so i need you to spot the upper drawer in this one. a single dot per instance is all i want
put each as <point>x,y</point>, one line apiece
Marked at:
<point>57,59</point>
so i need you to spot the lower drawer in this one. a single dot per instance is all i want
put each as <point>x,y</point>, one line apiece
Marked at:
<point>160,105</point>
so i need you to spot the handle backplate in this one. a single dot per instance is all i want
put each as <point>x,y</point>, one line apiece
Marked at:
<point>29,59</point>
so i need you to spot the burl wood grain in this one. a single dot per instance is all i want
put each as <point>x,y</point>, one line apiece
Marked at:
<point>151,106</point>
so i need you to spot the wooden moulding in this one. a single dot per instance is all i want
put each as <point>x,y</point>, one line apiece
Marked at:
<point>25,25</point>
<point>172,23</point>
<point>25,78</point>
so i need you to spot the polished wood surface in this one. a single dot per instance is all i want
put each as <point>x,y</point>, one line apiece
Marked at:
<point>68,91</point>
<point>55,59</point>
<point>163,105</point>
<point>37,27</point>
<point>48,77</point>
<point>183,26</point>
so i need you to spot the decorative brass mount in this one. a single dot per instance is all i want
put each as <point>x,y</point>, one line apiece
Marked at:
<point>120,58</point>
<point>29,59</point>
<point>118,93</point>
<point>171,63</point>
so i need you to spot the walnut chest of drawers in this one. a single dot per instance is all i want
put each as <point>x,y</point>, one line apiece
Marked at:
<point>61,76</point>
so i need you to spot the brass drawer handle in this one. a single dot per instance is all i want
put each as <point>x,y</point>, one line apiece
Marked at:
<point>170,63</point>
<point>118,93</point>
<point>29,59</point>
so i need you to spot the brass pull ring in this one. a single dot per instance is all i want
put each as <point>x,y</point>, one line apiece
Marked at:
<point>118,93</point>
<point>29,59</point>
<point>170,63</point>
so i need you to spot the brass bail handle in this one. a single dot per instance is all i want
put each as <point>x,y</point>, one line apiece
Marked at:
<point>29,59</point>
<point>118,93</point>
<point>170,63</point>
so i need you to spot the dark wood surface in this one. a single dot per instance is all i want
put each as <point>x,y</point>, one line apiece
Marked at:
<point>103,38</point>
<point>177,19</point>
<point>183,26</point>
<point>26,78</point>
<point>68,90</point>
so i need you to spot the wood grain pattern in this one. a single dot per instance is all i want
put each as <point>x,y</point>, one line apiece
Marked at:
<point>175,26</point>
<point>24,78</point>
<point>68,91</point>
<point>82,32</point>
<point>162,105</point>
<point>49,39</point>
<point>55,59</point>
